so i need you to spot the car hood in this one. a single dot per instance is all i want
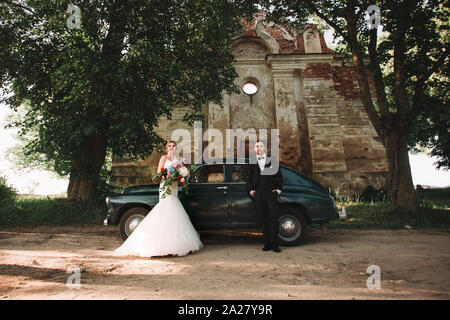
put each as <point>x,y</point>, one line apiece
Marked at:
<point>141,188</point>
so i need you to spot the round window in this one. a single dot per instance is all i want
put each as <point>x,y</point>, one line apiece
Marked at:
<point>250,88</point>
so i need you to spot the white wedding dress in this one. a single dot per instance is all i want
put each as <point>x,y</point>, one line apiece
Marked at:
<point>166,230</point>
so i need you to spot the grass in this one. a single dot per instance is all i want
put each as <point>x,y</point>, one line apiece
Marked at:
<point>49,211</point>
<point>381,215</point>
<point>433,212</point>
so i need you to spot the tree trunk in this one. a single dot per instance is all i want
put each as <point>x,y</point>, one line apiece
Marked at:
<point>393,132</point>
<point>86,168</point>
<point>400,180</point>
<point>87,165</point>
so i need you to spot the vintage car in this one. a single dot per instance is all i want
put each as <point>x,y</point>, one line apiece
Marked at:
<point>218,198</point>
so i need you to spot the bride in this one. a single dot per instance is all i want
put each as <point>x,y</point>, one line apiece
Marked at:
<point>166,230</point>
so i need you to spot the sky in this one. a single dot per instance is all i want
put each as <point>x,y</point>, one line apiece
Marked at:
<point>26,181</point>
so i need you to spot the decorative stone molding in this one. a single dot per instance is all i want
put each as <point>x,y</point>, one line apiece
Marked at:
<point>249,49</point>
<point>300,59</point>
<point>284,66</point>
<point>272,44</point>
<point>311,39</point>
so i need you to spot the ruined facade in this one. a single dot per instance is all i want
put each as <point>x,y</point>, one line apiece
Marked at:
<point>307,92</point>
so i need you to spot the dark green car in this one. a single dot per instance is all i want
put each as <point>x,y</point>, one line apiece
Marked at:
<point>219,198</point>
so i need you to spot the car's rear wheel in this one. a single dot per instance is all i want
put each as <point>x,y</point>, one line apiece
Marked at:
<point>292,227</point>
<point>130,220</point>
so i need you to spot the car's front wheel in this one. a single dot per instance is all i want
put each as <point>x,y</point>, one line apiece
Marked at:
<point>292,227</point>
<point>130,220</point>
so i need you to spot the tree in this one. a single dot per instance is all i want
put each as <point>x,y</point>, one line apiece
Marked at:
<point>430,129</point>
<point>100,83</point>
<point>403,66</point>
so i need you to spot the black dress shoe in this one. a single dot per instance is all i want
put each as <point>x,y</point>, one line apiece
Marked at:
<point>266,248</point>
<point>277,249</point>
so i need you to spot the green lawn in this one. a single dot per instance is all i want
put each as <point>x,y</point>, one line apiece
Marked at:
<point>433,212</point>
<point>49,211</point>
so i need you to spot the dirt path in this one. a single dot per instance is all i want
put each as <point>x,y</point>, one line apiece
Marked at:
<point>414,264</point>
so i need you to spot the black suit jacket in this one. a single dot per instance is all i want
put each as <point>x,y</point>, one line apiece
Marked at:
<point>259,182</point>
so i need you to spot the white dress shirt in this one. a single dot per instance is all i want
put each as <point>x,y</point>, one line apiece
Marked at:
<point>262,162</point>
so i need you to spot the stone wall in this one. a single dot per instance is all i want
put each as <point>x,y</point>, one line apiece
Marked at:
<point>347,153</point>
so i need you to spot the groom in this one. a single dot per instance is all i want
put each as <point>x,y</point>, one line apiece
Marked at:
<point>265,190</point>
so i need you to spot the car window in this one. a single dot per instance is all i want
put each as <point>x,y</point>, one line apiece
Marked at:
<point>212,173</point>
<point>239,173</point>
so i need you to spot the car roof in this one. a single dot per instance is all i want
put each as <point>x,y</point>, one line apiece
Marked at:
<point>225,161</point>
<point>246,161</point>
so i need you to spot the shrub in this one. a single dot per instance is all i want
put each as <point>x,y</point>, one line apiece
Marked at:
<point>7,193</point>
<point>46,211</point>
<point>371,194</point>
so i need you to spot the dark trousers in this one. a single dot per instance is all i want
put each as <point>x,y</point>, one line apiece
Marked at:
<point>266,209</point>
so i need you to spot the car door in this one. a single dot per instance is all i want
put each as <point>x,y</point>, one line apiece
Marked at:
<point>207,201</point>
<point>242,205</point>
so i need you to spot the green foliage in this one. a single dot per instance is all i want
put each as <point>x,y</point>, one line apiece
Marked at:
<point>382,215</point>
<point>131,63</point>
<point>45,211</point>
<point>431,127</point>
<point>433,212</point>
<point>434,197</point>
<point>7,193</point>
<point>371,194</point>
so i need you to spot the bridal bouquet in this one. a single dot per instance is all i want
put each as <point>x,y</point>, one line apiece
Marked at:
<point>176,173</point>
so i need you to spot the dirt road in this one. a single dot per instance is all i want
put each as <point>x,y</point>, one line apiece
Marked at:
<point>36,263</point>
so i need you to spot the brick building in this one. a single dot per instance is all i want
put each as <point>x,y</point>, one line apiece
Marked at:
<point>307,92</point>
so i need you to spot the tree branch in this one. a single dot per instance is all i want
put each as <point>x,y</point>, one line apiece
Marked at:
<point>400,93</point>
<point>331,23</point>
<point>378,75</point>
<point>363,81</point>
<point>18,5</point>
<point>435,66</point>
<point>419,85</point>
